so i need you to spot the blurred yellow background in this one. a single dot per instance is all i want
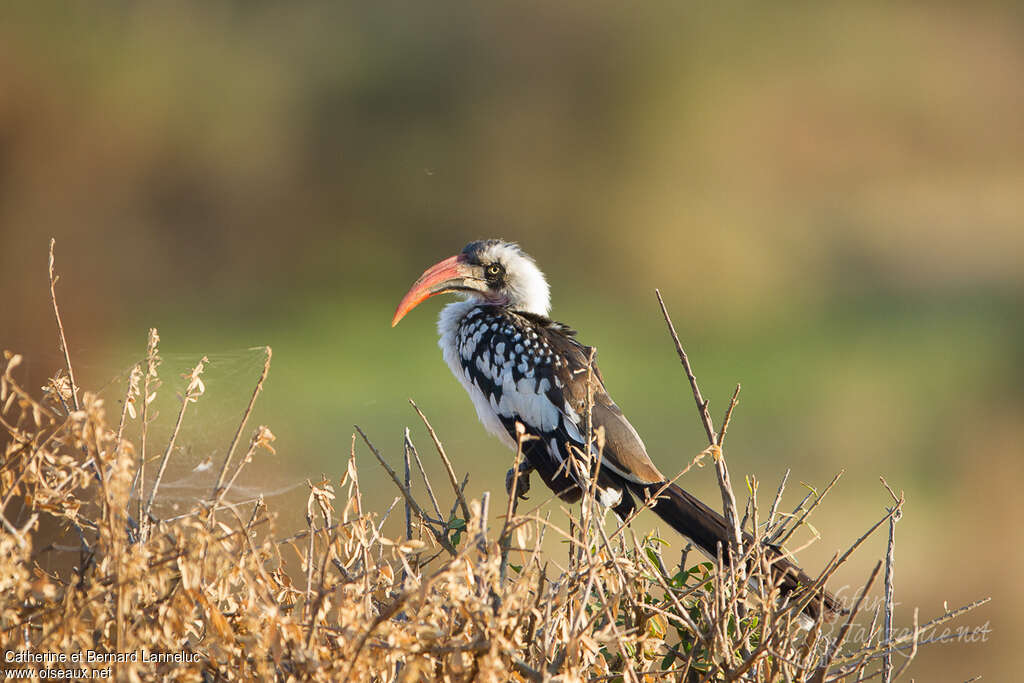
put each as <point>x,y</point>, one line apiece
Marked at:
<point>831,199</point>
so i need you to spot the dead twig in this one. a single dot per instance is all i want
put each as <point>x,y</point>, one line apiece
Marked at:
<point>702,405</point>
<point>787,532</point>
<point>444,458</point>
<point>440,537</point>
<point>151,383</point>
<point>193,390</point>
<point>423,473</point>
<point>60,330</point>
<point>216,493</point>
<point>822,671</point>
<point>728,416</point>
<point>724,482</point>
<point>890,562</point>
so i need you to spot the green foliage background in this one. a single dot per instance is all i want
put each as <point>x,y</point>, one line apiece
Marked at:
<point>830,197</point>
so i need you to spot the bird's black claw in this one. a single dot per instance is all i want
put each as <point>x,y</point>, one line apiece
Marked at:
<point>523,485</point>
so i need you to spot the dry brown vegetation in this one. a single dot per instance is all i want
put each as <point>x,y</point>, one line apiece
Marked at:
<point>466,593</point>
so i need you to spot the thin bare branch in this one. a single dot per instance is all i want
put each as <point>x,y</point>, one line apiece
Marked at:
<point>728,415</point>
<point>193,390</point>
<point>440,537</point>
<point>238,432</point>
<point>444,458</point>
<point>702,405</point>
<point>60,330</point>
<point>423,473</point>
<point>890,566</point>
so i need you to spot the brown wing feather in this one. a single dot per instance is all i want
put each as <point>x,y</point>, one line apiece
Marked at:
<point>624,450</point>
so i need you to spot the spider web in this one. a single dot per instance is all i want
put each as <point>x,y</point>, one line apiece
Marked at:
<point>202,442</point>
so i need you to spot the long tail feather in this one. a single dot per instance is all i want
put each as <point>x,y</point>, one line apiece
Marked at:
<point>708,529</point>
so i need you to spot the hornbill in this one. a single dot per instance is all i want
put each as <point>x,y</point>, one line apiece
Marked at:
<point>520,366</point>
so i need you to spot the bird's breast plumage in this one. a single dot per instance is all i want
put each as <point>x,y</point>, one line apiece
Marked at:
<point>513,367</point>
<point>523,367</point>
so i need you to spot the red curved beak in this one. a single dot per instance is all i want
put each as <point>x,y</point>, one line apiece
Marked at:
<point>446,276</point>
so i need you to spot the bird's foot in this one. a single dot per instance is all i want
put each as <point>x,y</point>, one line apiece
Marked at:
<point>522,485</point>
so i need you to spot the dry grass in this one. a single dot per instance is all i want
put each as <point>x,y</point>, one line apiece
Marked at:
<point>467,592</point>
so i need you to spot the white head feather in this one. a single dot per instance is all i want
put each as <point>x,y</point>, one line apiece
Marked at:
<point>526,287</point>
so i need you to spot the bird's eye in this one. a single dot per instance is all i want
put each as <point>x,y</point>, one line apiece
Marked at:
<point>494,272</point>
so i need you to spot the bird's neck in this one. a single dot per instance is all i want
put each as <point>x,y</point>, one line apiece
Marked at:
<point>454,314</point>
<point>451,317</point>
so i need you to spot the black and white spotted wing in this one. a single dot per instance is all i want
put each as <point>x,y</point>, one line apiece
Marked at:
<point>533,370</point>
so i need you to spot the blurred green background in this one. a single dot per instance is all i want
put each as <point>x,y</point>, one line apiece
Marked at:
<point>831,199</point>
